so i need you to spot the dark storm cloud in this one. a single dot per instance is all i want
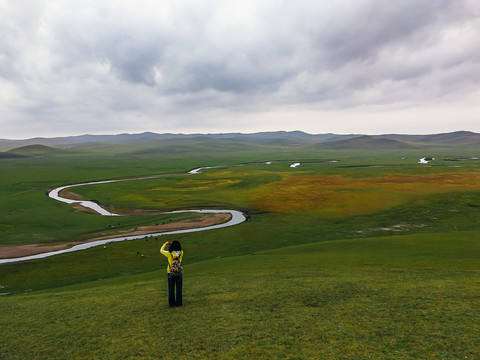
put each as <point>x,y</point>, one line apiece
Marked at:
<point>119,59</point>
<point>279,45</point>
<point>361,32</point>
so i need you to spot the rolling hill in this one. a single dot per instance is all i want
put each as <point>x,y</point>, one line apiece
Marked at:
<point>368,143</point>
<point>275,138</point>
<point>34,150</point>
<point>446,139</point>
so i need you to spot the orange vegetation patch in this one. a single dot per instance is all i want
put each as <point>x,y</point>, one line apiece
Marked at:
<point>337,196</point>
<point>203,221</point>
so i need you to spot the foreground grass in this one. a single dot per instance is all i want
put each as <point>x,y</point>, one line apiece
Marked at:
<point>400,297</point>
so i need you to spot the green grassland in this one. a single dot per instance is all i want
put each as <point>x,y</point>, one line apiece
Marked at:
<point>371,257</point>
<point>392,297</point>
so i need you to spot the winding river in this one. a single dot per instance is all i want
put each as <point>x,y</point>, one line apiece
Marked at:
<point>237,218</point>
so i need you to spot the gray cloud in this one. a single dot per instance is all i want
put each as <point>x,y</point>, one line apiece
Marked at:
<point>178,63</point>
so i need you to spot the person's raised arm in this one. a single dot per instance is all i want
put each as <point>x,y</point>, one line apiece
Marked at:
<point>164,251</point>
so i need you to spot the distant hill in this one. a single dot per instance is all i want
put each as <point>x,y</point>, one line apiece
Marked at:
<point>152,140</point>
<point>279,137</point>
<point>34,150</point>
<point>189,145</point>
<point>368,143</point>
<point>264,138</point>
<point>454,138</point>
<point>395,141</point>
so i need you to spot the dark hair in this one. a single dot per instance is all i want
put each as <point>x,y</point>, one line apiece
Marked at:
<point>175,246</point>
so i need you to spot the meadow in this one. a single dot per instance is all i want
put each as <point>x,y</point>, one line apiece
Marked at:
<point>351,255</point>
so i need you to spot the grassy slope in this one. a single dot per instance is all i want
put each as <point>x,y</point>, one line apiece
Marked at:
<point>246,296</point>
<point>402,297</point>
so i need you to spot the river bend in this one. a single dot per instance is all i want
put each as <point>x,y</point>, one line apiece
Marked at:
<point>237,218</point>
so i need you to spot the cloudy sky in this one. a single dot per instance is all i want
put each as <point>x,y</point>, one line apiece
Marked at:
<point>210,66</point>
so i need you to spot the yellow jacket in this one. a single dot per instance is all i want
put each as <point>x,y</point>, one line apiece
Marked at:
<point>170,255</point>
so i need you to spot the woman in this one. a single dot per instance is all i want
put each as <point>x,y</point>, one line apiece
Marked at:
<point>174,255</point>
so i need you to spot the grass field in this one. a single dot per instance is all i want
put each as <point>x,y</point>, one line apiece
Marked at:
<point>399,297</point>
<point>370,257</point>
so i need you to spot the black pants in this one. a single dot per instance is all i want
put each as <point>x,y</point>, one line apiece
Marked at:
<point>175,284</point>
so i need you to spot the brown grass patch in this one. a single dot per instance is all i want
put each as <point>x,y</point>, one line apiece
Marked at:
<point>202,221</point>
<point>337,196</point>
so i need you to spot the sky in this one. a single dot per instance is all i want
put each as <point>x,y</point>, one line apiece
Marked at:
<point>216,66</point>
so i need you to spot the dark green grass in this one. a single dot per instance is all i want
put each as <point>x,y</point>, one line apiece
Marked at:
<point>403,297</point>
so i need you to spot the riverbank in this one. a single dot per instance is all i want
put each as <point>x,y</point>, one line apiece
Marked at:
<point>204,221</point>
